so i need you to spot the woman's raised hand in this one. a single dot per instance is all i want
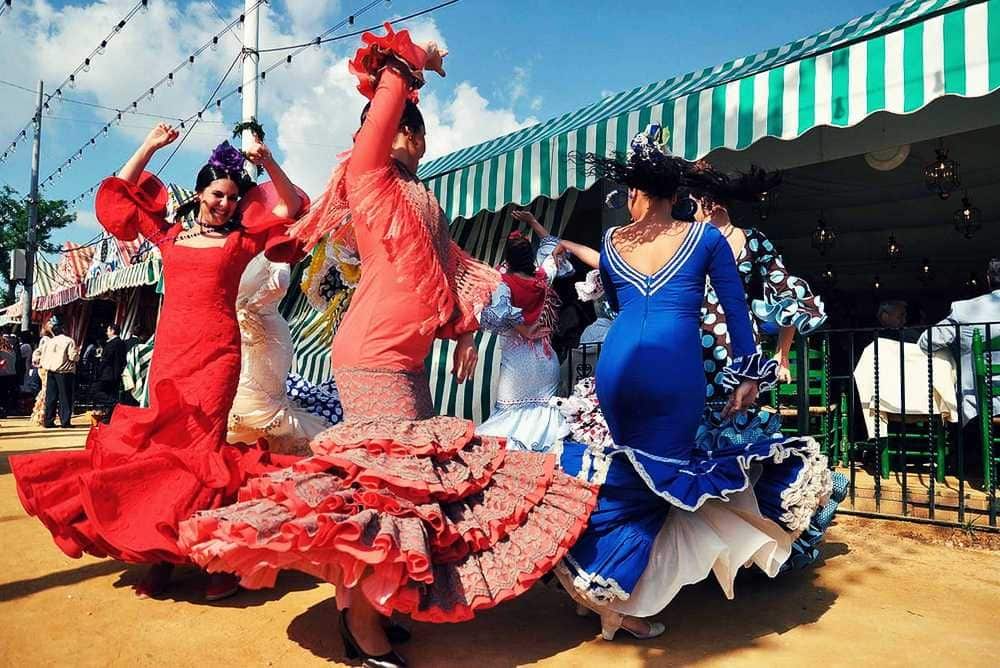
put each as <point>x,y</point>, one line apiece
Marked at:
<point>435,58</point>
<point>161,135</point>
<point>258,153</point>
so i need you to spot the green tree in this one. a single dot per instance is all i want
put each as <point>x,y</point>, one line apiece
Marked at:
<point>52,215</point>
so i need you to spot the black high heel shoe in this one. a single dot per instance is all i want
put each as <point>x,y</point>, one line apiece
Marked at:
<point>353,651</point>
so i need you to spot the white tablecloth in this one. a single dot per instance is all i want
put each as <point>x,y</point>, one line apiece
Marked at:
<point>890,399</point>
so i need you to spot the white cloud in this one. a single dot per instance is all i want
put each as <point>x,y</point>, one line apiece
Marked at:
<point>310,109</point>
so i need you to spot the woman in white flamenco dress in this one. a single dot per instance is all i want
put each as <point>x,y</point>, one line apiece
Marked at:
<point>261,409</point>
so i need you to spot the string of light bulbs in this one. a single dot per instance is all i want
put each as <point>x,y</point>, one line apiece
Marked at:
<point>148,93</point>
<point>84,66</point>
<point>321,39</point>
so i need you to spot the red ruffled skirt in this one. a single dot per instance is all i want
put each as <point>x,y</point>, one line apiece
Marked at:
<point>420,516</point>
<point>125,494</point>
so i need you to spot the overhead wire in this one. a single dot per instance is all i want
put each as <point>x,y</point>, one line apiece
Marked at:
<point>148,93</point>
<point>323,38</point>
<point>84,66</point>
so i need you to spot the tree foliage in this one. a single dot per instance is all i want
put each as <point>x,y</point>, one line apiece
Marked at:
<point>52,215</point>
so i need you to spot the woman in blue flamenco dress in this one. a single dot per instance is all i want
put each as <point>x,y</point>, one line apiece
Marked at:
<point>679,498</point>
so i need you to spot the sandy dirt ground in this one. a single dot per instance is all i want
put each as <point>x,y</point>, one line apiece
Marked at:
<point>886,594</point>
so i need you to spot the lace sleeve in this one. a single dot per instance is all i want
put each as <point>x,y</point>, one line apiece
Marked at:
<point>501,316</point>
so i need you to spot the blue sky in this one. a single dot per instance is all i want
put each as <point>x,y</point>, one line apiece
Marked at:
<point>512,63</point>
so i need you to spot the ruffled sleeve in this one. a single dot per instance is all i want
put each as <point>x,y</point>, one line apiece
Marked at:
<point>591,288</point>
<point>270,233</point>
<point>127,210</point>
<point>501,316</point>
<point>753,367</point>
<point>553,268</point>
<point>788,301</point>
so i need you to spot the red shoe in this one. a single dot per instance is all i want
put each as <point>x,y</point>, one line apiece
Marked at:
<point>156,582</point>
<point>221,585</point>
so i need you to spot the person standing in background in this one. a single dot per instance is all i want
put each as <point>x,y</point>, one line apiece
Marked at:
<point>8,373</point>
<point>59,358</point>
<point>109,375</point>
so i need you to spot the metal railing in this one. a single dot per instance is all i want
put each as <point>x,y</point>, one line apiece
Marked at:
<point>905,459</point>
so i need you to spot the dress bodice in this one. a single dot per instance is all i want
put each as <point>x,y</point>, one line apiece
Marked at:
<point>650,380</point>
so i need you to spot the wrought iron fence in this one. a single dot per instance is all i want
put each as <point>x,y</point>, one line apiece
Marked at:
<point>922,456</point>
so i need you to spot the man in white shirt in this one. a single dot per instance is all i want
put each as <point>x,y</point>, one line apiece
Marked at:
<point>955,332</point>
<point>59,357</point>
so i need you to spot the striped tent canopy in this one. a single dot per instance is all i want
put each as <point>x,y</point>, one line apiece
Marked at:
<point>898,59</point>
<point>55,284</point>
<point>75,260</point>
<point>147,272</point>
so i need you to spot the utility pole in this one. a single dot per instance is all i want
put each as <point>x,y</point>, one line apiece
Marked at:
<point>29,263</point>
<point>251,66</point>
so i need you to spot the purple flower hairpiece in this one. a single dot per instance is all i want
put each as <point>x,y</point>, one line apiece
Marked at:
<point>227,157</point>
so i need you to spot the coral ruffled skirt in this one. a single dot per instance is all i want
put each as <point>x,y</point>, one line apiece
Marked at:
<point>420,516</point>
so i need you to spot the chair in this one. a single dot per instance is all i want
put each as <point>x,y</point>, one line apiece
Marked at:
<point>986,366</point>
<point>826,418</point>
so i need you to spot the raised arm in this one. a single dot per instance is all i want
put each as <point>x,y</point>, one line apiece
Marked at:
<point>584,254</point>
<point>157,138</point>
<point>289,203</point>
<point>395,67</point>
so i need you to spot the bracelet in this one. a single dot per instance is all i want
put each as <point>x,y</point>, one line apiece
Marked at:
<point>415,80</point>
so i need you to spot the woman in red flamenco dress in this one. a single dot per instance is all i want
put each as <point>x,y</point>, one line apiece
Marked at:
<point>139,476</point>
<point>402,510</point>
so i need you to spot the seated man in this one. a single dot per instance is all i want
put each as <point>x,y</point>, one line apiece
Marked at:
<point>982,309</point>
<point>892,314</point>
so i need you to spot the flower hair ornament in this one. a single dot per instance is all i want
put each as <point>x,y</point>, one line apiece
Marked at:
<point>228,157</point>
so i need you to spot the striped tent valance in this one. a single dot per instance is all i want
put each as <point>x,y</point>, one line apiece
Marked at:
<point>145,273</point>
<point>898,59</point>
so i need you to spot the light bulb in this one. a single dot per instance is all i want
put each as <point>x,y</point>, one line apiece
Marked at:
<point>86,64</point>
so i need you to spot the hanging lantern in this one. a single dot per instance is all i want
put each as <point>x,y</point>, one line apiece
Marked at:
<point>893,251</point>
<point>877,283</point>
<point>823,238</point>
<point>942,174</point>
<point>829,276</point>
<point>926,274</point>
<point>972,283</point>
<point>968,219</point>
<point>763,206</point>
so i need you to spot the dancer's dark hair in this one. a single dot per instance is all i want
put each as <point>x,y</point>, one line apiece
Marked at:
<point>518,254</point>
<point>714,187</point>
<point>658,177</point>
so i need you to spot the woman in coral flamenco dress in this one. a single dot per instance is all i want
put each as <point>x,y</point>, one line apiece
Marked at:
<point>404,511</point>
<point>680,499</point>
<point>139,476</point>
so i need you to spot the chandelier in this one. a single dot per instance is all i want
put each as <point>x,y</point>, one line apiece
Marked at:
<point>926,274</point>
<point>893,251</point>
<point>829,276</point>
<point>763,205</point>
<point>941,175</point>
<point>968,219</point>
<point>823,238</point>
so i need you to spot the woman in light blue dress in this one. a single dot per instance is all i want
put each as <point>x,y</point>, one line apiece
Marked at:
<point>680,498</point>
<point>524,311</point>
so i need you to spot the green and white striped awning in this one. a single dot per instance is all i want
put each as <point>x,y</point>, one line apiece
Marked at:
<point>147,272</point>
<point>898,59</point>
